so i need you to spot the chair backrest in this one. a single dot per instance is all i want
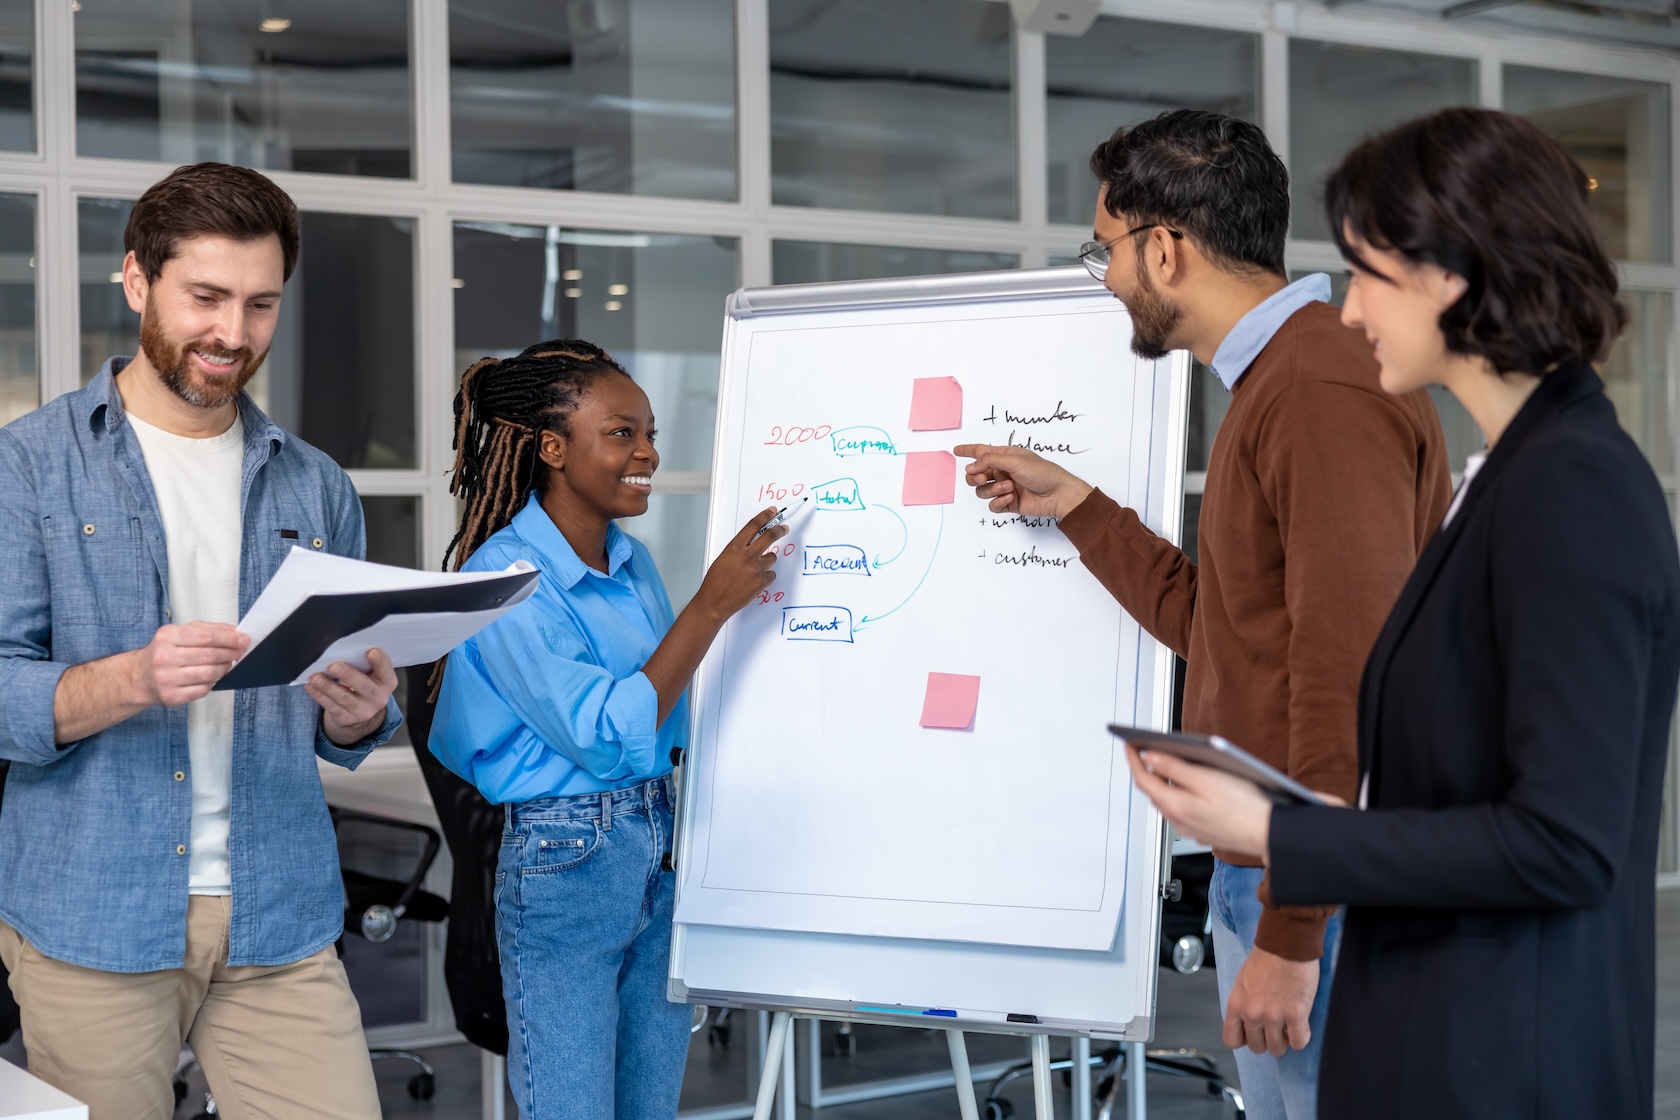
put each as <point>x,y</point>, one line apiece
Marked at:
<point>472,827</point>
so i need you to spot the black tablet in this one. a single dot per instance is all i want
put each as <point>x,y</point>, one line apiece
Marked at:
<point>1221,754</point>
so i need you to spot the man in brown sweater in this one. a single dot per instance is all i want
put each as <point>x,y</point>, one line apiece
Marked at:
<point>1321,491</point>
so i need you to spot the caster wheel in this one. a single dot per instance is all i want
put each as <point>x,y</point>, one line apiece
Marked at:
<point>1241,1114</point>
<point>422,1087</point>
<point>180,1088</point>
<point>999,1109</point>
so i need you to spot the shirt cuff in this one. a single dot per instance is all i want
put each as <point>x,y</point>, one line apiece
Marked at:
<point>26,724</point>
<point>1086,522</point>
<point>351,757</point>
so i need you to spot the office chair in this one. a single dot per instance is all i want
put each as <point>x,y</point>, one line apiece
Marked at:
<point>373,906</point>
<point>1186,944</point>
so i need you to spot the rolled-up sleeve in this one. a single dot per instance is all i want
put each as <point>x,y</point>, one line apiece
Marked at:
<point>542,669</point>
<point>28,678</point>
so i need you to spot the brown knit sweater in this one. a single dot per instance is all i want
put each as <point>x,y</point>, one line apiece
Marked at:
<point>1321,491</point>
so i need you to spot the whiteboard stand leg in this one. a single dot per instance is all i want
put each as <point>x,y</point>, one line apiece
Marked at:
<point>1044,1104</point>
<point>492,1081</point>
<point>1136,1096</point>
<point>965,1080</point>
<point>775,1053</point>
<point>1081,1077</point>
<point>785,1104</point>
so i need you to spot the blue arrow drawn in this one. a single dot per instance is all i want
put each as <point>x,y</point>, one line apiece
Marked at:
<point>866,619</point>
<point>880,563</point>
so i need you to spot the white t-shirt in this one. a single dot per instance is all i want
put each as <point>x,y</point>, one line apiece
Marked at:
<point>197,483</point>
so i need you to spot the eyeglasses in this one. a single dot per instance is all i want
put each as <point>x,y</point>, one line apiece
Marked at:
<point>1094,255</point>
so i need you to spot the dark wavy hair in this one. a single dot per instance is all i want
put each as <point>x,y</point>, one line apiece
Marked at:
<point>1212,176</point>
<point>210,198</point>
<point>1488,196</point>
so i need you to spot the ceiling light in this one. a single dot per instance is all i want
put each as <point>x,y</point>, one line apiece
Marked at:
<point>75,5</point>
<point>116,278</point>
<point>273,24</point>
<point>1592,184</point>
<point>573,293</point>
<point>618,290</point>
<point>457,282</point>
<point>572,274</point>
<point>614,305</point>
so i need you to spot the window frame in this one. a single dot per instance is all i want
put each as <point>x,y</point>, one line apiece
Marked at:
<point>58,177</point>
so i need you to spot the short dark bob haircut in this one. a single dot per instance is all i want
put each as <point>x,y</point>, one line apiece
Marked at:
<point>210,198</point>
<point>1211,176</point>
<point>1488,196</point>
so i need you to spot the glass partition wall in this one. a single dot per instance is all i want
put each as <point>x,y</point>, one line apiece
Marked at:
<point>478,175</point>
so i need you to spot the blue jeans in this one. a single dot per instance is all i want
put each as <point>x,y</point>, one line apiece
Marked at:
<point>583,919</point>
<point>1283,1088</point>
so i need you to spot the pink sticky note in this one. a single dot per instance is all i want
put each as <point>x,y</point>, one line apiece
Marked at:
<point>935,404</point>
<point>951,700</point>
<point>930,478</point>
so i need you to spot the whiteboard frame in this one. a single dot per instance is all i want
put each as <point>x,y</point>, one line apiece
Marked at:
<point>1147,842</point>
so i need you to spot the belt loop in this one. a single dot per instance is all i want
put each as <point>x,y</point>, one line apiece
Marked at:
<point>606,810</point>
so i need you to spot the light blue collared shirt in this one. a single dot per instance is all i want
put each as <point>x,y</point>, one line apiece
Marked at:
<point>1255,329</point>
<point>550,699</point>
<point>93,840</point>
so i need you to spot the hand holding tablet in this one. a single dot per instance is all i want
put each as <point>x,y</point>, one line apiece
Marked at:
<point>1221,754</point>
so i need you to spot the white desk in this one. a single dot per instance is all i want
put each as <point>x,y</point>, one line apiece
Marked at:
<point>390,784</point>
<point>23,1097</point>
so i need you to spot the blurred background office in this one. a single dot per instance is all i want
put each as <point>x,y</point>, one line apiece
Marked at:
<point>478,174</point>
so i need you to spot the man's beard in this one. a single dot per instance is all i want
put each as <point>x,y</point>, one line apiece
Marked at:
<point>173,363</point>
<point>1153,319</point>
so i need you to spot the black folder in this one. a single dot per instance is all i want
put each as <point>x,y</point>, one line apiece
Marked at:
<point>321,620</point>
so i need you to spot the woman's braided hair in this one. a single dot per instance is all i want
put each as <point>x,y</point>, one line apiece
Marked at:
<point>501,410</point>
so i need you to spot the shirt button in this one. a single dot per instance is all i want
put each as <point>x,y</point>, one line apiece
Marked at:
<point>180,849</point>
<point>87,530</point>
<point>316,542</point>
<point>180,775</point>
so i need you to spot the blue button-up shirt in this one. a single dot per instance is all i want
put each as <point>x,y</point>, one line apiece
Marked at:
<point>1254,330</point>
<point>93,838</point>
<point>550,699</point>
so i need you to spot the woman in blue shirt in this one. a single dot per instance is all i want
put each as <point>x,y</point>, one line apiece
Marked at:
<point>566,710</point>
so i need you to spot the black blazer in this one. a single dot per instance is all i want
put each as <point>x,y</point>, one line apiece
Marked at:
<point>1498,958</point>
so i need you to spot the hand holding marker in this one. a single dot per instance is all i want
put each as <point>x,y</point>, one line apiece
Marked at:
<point>784,514</point>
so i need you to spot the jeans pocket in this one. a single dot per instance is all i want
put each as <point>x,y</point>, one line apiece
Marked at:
<point>553,846</point>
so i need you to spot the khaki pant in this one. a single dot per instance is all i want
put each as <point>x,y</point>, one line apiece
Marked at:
<point>282,1042</point>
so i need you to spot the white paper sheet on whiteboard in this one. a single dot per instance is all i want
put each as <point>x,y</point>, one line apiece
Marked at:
<point>824,804</point>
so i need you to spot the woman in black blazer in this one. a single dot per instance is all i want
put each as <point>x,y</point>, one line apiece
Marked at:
<point>1498,954</point>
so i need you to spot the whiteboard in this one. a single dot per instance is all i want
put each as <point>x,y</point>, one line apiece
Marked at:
<point>837,854</point>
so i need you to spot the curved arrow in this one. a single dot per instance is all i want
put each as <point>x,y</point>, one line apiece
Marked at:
<point>866,619</point>
<point>880,563</point>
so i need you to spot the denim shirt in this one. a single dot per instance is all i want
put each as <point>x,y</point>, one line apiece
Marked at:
<point>550,699</point>
<point>94,836</point>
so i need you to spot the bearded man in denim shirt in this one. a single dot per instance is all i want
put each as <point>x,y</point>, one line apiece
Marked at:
<point>168,870</point>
